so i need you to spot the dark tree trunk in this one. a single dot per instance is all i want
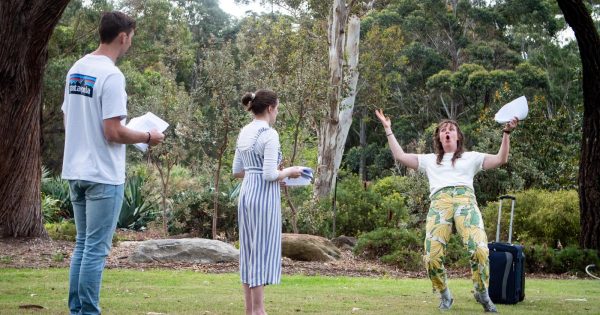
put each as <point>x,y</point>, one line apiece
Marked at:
<point>589,166</point>
<point>25,29</point>
<point>362,168</point>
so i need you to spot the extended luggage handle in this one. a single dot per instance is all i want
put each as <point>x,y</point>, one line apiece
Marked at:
<point>512,212</point>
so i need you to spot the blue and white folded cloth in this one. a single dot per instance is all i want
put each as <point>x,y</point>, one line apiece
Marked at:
<point>306,177</point>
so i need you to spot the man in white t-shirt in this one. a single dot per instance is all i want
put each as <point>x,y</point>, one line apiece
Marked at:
<point>450,172</point>
<point>95,108</point>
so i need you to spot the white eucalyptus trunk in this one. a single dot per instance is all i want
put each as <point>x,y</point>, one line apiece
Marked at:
<point>344,35</point>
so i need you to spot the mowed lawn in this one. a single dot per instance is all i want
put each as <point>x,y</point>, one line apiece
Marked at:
<point>189,292</point>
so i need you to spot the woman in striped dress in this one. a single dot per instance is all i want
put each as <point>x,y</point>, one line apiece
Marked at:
<point>256,160</point>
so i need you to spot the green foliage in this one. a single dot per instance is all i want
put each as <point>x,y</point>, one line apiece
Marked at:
<point>360,209</point>
<point>58,257</point>
<point>64,230</point>
<point>400,247</point>
<point>6,259</point>
<point>191,200</point>
<point>404,248</point>
<point>137,209</point>
<point>378,160</point>
<point>50,208</point>
<point>543,259</point>
<point>56,201</point>
<point>420,61</point>
<point>541,217</point>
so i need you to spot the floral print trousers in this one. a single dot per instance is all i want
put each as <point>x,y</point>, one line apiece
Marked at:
<point>455,205</point>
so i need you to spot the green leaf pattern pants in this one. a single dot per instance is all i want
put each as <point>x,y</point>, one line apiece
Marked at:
<point>455,205</point>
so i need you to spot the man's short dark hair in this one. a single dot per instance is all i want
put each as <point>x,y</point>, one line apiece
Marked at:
<point>112,24</point>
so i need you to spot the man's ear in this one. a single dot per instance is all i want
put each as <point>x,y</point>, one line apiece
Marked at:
<point>122,38</point>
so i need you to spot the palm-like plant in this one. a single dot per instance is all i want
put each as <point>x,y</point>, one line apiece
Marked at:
<point>137,210</point>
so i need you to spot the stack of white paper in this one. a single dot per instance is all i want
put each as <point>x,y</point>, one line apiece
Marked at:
<point>305,178</point>
<point>517,108</point>
<point>146,123</point>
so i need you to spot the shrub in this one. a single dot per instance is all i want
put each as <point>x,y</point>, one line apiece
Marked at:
<point>456,253</point>
<point>137,210</point>
<point>193,212</point>
<point>539,258</point>
<point>57,189</point>
<point>50,208</point>
<point>404,248</point>
<point>399,247</point>
<point>64,230</point>
<point>312,217</point>
<point>392,210</point>
<point>363,206</point>
<point>541,217</point>
<point>414,187</point>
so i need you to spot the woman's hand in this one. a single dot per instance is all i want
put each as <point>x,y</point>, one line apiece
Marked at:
<point>293,172</point>
<point>511,125</point>
<point>385,121</point>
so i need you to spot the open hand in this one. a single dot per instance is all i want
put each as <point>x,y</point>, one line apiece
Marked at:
<point>385,121</point>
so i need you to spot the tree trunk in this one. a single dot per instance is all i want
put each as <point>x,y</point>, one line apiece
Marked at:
<point>286,193</point>
<point>216,196</point>
<point>25,29</point>
<point>221,151</point>
<point>343,43</point>
<point>588,40</point>
<point>165,176</point>
<point>362,168</point>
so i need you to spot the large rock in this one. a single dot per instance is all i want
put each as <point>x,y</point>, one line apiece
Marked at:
<point>308,248</point>
<point>192,250</point>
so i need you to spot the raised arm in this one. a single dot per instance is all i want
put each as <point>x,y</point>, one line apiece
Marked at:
<point>493,161</point>
<point>407,159</point>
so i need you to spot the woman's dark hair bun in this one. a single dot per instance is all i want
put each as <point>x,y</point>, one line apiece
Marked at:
<point>246,99</point>
<point>258,101</point>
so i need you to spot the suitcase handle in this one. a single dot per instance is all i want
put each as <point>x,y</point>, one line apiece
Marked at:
<point>512,212</point>
<point>507,197</point>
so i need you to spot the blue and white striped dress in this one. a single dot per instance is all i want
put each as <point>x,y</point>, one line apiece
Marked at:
<point>259,207</point>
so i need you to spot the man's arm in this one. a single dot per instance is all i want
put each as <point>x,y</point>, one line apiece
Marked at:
<point>115,132</point>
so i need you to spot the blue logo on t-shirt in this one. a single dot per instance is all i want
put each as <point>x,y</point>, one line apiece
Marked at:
<point>81,84</point>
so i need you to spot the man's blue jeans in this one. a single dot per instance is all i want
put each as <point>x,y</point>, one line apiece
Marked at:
<point>96,208</point>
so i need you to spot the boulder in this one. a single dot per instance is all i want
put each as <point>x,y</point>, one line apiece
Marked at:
<point>306,247</point>
<point>191,250</point>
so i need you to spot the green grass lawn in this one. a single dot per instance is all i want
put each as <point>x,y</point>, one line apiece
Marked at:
<point>188,292</point>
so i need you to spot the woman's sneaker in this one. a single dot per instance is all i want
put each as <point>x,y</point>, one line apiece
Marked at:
<point>446,300</point>
<point>484,299</point>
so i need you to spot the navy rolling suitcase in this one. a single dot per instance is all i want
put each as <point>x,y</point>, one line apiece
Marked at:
<point>507,265</point>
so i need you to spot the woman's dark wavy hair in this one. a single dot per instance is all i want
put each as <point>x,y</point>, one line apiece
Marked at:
<point>437,144</point>
<point>261,100</point>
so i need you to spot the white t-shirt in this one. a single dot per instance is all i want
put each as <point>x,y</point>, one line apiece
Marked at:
<point>444,174</point>
<point>267,145</point>
<point>94,91</point>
